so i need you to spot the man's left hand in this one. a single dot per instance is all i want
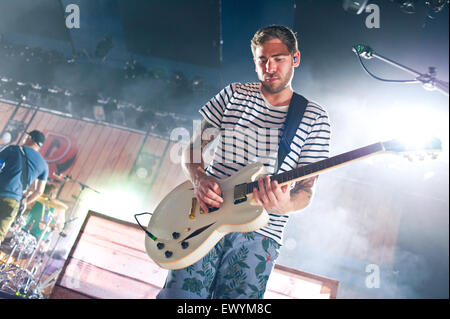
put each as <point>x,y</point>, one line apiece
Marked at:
<point>273,197</point>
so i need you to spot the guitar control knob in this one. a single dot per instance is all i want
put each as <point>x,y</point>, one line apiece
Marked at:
<point>168,254</point>
<point>175,235</point>
<point>160,245</point>
<point>184,244</point>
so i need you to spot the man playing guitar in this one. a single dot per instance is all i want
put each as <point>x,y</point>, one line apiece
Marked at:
<point>12,185</point>
<point>243,116</point>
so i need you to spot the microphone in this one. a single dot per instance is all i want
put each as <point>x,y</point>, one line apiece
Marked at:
<point>58,175</point>
<point>61,176</point>
<point>363,50</point>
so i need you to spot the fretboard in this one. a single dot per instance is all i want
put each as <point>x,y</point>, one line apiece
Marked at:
<point>320,166</point>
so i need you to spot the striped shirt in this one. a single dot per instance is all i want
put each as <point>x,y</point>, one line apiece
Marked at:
<point>250,131</point>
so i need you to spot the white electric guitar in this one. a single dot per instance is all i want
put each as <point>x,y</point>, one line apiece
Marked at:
<point>180,233</point>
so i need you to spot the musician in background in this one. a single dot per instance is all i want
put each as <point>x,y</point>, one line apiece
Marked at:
<point>11,186</point>
<point>46,209</point>
<point>240,264</point>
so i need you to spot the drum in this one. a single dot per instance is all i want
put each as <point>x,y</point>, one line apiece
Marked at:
<point>26,242</point>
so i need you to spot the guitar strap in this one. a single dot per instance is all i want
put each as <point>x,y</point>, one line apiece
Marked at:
<point>24,169</point>
<point>297,108</point>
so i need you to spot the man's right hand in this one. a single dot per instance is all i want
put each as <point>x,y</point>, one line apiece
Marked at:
<point>208,192</point>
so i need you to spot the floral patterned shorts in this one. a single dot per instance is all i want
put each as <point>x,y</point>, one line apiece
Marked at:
<point>238,266</point>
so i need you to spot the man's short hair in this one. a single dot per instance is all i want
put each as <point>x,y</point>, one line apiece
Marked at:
<point>286,36</point>
<point>49,188</point>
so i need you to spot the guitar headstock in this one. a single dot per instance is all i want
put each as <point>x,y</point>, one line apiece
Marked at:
<point>420,150</point>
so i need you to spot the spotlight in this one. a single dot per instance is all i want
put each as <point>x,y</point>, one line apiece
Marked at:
<point>99,112</point>
<point>408,7</point>
<point>178,78</point>
<point>434,7</point>
<point>7,137</point>
<point>12,131</point>
<point>143,168</point>
<point>21,92</point>
<point>36,86</point>
<point>134,69</point>
<point>354,7</point>
<point>54,90</point>
<point>197,83</point>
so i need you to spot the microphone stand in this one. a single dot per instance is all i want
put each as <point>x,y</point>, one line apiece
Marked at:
<point>70,220</point>
<point>428,80</point>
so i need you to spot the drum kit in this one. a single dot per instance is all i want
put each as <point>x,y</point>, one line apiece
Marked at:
<point>22,266</point>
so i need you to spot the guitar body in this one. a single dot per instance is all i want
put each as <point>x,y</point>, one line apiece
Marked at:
<point>181,239</point>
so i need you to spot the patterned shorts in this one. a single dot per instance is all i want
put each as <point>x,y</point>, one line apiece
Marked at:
<point>239,266</point>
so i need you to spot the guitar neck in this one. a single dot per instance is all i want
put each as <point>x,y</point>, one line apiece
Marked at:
<point>316,168</point>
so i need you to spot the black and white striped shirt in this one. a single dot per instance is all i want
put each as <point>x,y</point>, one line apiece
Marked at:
<point>250,131</point>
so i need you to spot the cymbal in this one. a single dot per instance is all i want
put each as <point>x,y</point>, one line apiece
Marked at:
<point>57,204</point>
<point>52,203</point>
<point>43,198</point>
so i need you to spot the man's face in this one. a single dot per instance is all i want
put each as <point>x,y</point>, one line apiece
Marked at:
<point>274,65</point>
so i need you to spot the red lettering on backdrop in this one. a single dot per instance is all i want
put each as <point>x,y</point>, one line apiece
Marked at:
<point>59,151</point>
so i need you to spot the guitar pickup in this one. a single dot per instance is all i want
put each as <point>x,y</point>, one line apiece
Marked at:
<point>240,193</point>
<point>240,200</point>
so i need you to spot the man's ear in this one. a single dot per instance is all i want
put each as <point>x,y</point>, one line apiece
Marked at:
<point>296,59</point>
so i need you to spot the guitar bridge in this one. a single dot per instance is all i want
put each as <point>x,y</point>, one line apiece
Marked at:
<point>240,193</point>
<point>193,208</point>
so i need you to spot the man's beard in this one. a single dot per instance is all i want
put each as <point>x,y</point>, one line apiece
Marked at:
<point>274,90</point>
<point>283,84</point>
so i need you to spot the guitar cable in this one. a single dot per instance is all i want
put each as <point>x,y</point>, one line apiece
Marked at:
<point>145,230</point>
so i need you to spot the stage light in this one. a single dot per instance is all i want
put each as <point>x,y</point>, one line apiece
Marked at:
<point>197,83</point>
<point>408,7</point>
<point>21,91</point>
<point>120,202</point>
<point>143,168</point>
<point>434,7</point>
<point>6,137</point>
<point>99,112</point>
<point>12,130</point>
<point>419,146</point>
<point>36,86</point>
<point>54,90</point>
<point>409,122</point>
<point>354,7</point>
